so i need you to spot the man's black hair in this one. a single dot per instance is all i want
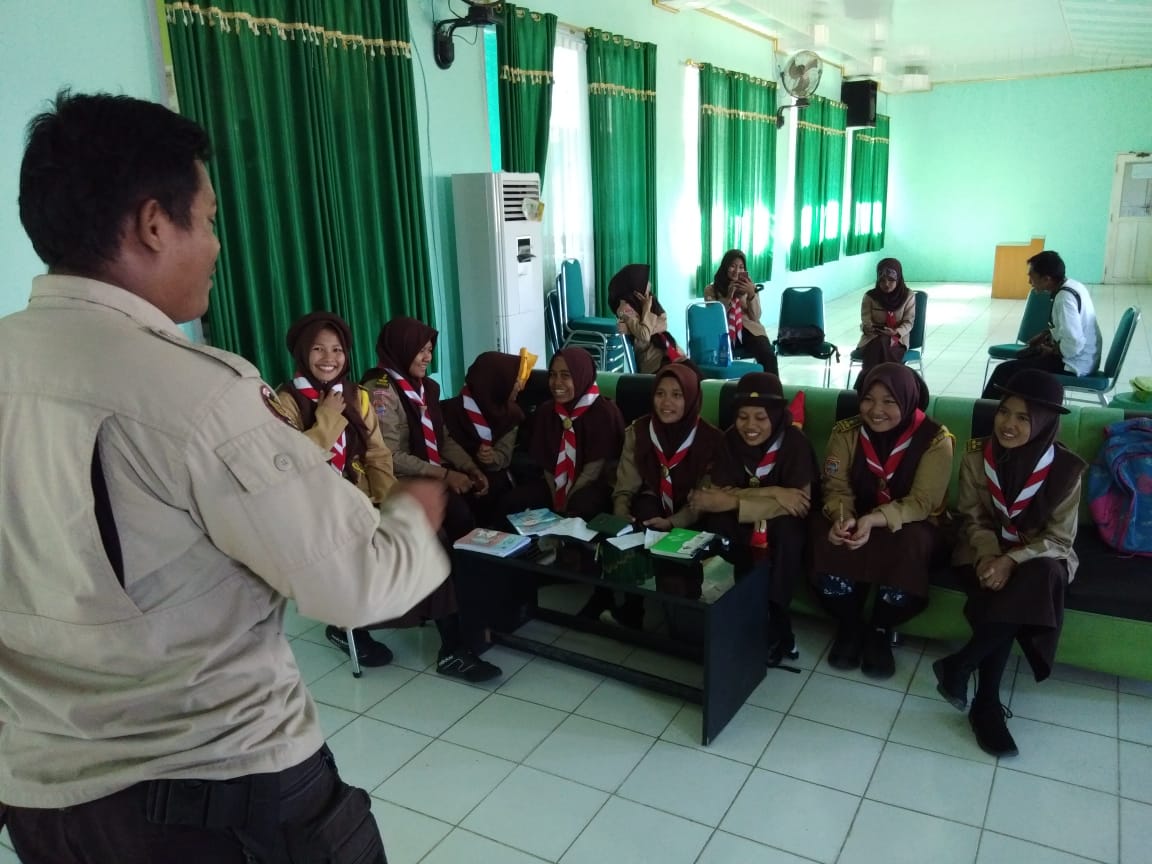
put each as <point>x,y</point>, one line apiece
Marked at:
<point>89,164</point>
<point>1048,263</point>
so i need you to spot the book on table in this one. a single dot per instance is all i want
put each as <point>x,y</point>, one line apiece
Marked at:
<point>681,543</point>
<point>492,542</point>
<point>610,525</point>
<point>533,521</point>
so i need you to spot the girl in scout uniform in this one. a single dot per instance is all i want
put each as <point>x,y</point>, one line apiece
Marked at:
<point>640,316</point>
<point>407,406</point>
<point>575,442</point>
<point>759,498</point>
<point>480,428</point>
<point>337,416</point>
<point>885,481</point>
<point>666,454</point>
<point>734,288</point>
<point>1019,495</point>
<point>887,313</point>
<point>332,410</point>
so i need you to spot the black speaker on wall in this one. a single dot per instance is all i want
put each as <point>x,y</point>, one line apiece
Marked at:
<point>860,97</point>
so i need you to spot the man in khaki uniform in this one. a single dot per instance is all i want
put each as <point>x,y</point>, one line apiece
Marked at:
<point>156,509</point>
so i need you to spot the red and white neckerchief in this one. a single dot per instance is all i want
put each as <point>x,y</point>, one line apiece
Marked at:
<point>884,472</point>
<point>736,320</point>
<point>756,478</point>
<point>667,463</point>
<point>1024,498</point>
<point>891,321</point>
<point>431,448</point>
<point>565,472</point>
<point>476,416</point>
<point>304,386</point>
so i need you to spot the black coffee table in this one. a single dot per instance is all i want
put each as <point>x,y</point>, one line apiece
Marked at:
<point>731,620</point>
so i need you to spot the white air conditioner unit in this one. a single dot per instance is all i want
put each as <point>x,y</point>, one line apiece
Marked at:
<point>498,249</point>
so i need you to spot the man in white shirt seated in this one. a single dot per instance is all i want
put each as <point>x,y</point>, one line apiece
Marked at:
<point>1071,344</point>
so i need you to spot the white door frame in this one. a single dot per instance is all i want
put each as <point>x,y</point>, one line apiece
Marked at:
<point>1113,246</point>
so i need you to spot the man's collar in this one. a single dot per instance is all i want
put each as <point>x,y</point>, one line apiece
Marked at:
<point>50,289</point>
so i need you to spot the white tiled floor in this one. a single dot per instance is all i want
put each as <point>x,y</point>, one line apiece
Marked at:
<point>555,764</point>
<point>962,321</point>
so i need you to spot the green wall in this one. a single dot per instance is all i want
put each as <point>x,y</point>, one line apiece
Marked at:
<point>110,46</point>
<point>974,165</point>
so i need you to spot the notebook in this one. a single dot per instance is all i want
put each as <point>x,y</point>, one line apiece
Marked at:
<point>491,542</point>
<point>533,521</point>
<point>682,543</point>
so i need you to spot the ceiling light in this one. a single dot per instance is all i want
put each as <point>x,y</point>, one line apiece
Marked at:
<point>819,35</point>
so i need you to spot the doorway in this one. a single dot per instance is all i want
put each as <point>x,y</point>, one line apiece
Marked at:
<point>1128,256</point>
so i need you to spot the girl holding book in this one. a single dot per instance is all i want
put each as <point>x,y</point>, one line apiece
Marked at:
<point>407,408</point>
<point>480,428</point>
<point>666,454</point>
<point>885,481</point>
<point>1019,496</point>
<point>760,496</point>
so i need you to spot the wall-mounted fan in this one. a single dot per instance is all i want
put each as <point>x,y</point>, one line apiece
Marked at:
<point>480,14</point>
<point>800,76</point>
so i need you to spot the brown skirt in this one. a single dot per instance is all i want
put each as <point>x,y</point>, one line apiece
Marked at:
<point>898,559</point>
<point>1033,598</point>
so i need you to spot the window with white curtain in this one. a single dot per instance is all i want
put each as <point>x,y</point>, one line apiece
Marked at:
<point>567,191</point>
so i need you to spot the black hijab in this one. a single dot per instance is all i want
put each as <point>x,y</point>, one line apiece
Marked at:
<point>896,299</point>
<point>400,340</point>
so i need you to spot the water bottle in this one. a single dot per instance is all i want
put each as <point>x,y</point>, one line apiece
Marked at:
<point>723,351</point>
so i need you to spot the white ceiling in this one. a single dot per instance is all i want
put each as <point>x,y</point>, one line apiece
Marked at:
<point>950,40</point>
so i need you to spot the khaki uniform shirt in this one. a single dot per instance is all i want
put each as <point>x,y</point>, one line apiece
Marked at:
<point>873,315</point>
<point>751,316</point>
<point>649,358</point>
<point>982,527</point>
<point>926,499</point>
<point>375,478</point>
<point>221,509</point>
<point>454,452</point>
<point>393,422</point>
<point>629,482</point>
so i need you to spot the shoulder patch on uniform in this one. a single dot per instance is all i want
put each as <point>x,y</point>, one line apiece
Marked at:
<point>831,466</point>
<point>273,403</point>
<point>941,434</point>
<point>848,425</point>
<point>233,361</point>
<point>977,443</point>
<point>383,382</point>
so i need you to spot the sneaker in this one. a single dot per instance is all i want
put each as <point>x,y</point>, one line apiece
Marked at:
<point>877,660</point>
<point>949,683</point>
<point>369,652</point>
<point>465,665</point>
<point>846,648</point>
<point>987,721</point>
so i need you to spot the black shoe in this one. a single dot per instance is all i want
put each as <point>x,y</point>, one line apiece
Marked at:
<point>465,665</point>
<point>600,601</point>
<point>877,660</point>
<point>987,721</point>
<point>783,649</point>
<point>369,652</point>
<point>951,683</point>
<point>846,648</point>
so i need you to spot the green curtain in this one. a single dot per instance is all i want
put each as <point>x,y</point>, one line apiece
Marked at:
<point>819,184</point>
<point>737,170</point>
<point>622,121</point>
<point>316,165</point>
<point>525,43</point>
<point>869,204</point>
